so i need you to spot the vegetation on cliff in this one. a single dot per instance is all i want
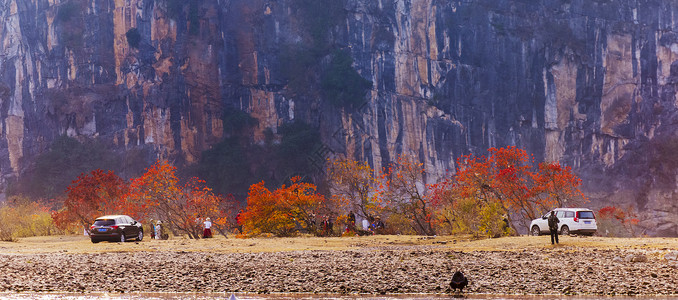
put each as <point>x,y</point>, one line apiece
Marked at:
<point>321,66</point>
<point>67,158</point>
<point>235,163</point>
<point>70,18</point>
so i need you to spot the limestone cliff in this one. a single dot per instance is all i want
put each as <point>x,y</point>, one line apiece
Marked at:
<point>589,83</point>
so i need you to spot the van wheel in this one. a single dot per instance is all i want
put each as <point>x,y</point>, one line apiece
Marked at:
<point>535,230</point>
<point>565,230</point>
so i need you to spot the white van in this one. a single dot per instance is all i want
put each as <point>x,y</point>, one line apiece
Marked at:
<point>572,220</point>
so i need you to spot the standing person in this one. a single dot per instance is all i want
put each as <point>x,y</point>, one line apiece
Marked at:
<point>207,232</point>
<point>351,221</point>
<point>366,224</point>
<point>553,227</point>
<point>152,229</point>
<point>378,225</point>
<point>327,226</point>
<point>158,230</point>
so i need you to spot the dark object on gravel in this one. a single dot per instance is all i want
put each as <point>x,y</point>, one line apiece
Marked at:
<point>459,281</point>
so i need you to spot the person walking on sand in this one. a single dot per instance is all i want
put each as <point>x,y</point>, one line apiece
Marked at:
<point>553,227</point>
<point>207,232</point>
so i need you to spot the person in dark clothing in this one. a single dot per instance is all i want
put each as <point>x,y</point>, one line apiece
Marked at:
<point>326,226</point>
<point>351,221</point>
<point>553,227</point>
<point>459,281</point>
<point>378,226</point>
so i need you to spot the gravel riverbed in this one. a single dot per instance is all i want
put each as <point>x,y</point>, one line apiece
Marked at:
<point>383,270</point>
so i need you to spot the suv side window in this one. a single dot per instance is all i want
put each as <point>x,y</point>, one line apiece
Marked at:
<point>569,214</point>
<point>559,214</point>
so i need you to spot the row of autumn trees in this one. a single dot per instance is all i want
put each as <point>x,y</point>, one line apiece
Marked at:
<point>487,195</point>
<point>156,195</point>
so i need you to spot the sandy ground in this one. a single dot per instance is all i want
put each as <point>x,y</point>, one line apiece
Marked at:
<point>366,265</point>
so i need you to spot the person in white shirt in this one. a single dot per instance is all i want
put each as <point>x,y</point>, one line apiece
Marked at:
<point>207,232</point>
<point>158,230</point>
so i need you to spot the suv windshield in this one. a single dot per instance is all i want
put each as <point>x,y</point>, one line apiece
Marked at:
<point>105,222</point>
<point>586,215</point>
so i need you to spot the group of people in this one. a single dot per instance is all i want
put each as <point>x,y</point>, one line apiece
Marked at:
<point>370,225</point>
<point>158,234</point>
<point>157,230</point>
<point>326,226</point>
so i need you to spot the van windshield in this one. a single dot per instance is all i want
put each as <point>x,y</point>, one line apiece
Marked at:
<point>586,215</point>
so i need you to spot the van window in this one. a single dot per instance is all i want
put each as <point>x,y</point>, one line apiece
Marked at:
<point>104,222</point>
<point>569,214</point>
<point>586,215</point>
<point>559,214</point>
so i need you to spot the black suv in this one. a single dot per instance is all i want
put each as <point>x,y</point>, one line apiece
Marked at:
<point>117,228</point>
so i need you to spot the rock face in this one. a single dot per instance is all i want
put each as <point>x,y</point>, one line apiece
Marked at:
<point>589,83</point>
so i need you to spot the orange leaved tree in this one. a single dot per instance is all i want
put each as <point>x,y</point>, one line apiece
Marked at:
<point>354,185</point>
<point>158,194</point>
<point>467,201</point>
<point>282,212</point>
<point>90,196</point>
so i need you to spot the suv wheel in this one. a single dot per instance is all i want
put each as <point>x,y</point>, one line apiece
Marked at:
<point>140,236</point>
<point>565,230</point>
<point>535,230</point>
<point>122,237</point>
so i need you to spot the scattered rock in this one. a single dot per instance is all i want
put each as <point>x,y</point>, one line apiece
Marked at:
<point>395,269</point>
<point>638,258</point>
<point>671,256</point>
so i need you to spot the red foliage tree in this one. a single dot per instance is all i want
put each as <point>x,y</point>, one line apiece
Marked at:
<point>610,217</point>
<point>158,194</point>
<point>506,177</point>
<point>556,185</point>
<point>90,196</point>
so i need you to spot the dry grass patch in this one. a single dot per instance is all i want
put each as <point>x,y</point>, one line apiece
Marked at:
<point>220,244</point>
